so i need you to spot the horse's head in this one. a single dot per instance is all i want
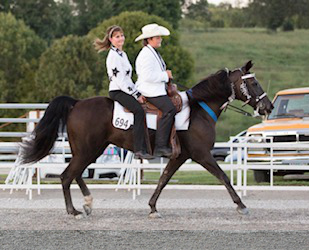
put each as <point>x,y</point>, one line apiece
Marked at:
<point>247,89</point>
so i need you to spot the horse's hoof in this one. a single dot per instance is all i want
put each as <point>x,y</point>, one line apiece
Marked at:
<point>79,216</point>
<point>155,215</point>
<point>243,211</point>
<point>87,209</point>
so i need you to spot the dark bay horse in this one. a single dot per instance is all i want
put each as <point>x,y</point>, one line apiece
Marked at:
<point>90,131</point>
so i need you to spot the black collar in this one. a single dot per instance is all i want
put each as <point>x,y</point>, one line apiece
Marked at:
<point>119,52</point>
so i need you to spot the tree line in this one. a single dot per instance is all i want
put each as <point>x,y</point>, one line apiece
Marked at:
<point>46,45</point>
<point>52,19</point>
<point>271,14</point>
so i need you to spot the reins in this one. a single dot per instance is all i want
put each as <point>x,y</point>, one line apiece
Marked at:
<point>237,110</point>
<point>179,85</point>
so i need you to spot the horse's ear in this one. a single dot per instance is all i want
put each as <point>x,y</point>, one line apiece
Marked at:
<point>248,66</point>
<point>223,74</point>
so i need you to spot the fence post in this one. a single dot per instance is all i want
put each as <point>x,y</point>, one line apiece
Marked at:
<point>30,170</point>
<point>271,172</point>
<point>38,178</point>
<point>239,170</point>
<point>232,164</point>
<point>245,169</point>
<point>139,179</point>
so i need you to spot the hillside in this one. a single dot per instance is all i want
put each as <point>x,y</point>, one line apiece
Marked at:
<point>280,61</point>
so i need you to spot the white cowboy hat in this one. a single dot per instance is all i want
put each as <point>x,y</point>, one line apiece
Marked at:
<point>151,30</point>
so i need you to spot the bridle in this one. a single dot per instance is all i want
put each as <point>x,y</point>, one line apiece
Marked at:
<point>243,87</point>
<point>245,91</point>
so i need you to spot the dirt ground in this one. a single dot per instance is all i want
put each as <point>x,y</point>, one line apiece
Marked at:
<point>190,220</point>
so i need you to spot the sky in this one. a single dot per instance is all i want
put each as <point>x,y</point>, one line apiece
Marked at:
<point>235,3</point>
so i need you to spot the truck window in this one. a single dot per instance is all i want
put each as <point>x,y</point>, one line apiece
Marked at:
<point>289,106</point>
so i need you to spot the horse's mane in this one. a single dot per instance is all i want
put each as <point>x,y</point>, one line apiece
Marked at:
<point>214,87</point>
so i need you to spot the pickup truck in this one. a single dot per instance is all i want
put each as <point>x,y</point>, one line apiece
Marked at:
<point>288,123</point>
<point>220,153</point>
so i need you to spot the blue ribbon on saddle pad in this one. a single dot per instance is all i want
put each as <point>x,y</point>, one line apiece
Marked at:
<point>204,106</point>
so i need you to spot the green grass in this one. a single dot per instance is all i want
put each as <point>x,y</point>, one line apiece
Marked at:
<point>184,177</point>
<point>205,178</point>
<point>280,62</point>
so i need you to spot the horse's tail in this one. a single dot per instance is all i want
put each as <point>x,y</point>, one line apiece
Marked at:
<point>46,131</point>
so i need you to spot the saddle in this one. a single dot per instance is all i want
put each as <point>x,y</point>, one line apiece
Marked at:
<point>150,108</point>
<point>174,97</point>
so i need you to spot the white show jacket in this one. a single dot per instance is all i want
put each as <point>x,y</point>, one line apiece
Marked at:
<point>151,73</point>
<point>119,71</point>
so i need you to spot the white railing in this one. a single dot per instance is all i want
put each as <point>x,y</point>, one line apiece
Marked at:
<point>241,166</point>
<point>30,106</point>
<point>269,161</point>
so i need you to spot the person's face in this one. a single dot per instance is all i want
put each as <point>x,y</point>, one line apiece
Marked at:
<point>117,39</point>
<point>155,41</point>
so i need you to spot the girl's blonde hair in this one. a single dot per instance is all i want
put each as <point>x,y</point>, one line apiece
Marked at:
<point>105,44</point>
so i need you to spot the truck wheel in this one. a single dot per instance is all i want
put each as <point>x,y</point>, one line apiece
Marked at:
<point>261,176</point>
<point>219,158</point>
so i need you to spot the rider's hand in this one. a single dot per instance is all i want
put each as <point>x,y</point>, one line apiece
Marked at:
<point>169,73</point>
<point>141,99</point>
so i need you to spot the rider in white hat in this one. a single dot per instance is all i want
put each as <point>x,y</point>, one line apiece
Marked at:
<point>151,83</point>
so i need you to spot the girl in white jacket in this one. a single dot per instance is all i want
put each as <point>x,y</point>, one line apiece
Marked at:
<point>121,87</point>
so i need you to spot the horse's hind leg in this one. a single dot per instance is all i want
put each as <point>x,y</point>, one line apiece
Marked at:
<point>170,169</point>
<point>86,193</point>
<point>82,185</point>
<point>66,180</point>
<point>74,170</point>
<point>211,165</point>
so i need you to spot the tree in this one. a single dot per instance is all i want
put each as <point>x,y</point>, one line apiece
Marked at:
<point>198,11</point>
<point>5,5</point>
<point>301,14</point>
<point>52,19</point>
<point>176,57</point>
<point>91,12</point>
<point>169,10</point>
<point>38,15</point>
<point>20,50</point>
<point>66,22</point>
<point>228,16</point>
<point>49,19</point>
<point>69,67</point>
<point>273,13</point>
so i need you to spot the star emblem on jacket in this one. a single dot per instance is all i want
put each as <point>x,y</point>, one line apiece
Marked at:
<point>115,71</point>
<point>127,72</point>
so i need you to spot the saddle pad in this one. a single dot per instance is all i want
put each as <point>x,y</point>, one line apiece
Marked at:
<point>123,120</point>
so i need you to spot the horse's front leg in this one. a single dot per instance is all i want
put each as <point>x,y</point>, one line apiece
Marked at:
<point>210,164</point>
<point>170,169</point>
